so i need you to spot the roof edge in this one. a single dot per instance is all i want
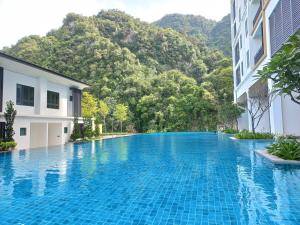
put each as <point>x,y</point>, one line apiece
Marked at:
<point>39,67</point>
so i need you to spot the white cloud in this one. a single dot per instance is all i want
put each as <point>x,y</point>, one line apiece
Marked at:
<point>19,18</point>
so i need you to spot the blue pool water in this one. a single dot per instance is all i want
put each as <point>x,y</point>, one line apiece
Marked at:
<point>173,178</point>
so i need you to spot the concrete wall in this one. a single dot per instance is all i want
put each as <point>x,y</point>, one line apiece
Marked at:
<point>291,116</point>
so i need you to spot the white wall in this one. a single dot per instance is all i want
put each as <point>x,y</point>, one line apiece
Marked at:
<point>41,86</point>
<point>38,135</point>
<point>55,134</point>
<point>291,116</point>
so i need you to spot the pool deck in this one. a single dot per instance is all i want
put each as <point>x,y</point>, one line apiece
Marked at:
<point>276,160</point>
<point>115,136</point>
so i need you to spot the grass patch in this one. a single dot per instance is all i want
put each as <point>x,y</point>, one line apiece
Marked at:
<point>249,135</point>
<point>288,149</point>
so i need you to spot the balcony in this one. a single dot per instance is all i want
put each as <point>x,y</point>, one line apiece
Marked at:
<point>258,55</point>
<point>258,12</point>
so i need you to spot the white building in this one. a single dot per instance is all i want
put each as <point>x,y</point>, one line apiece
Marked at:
<point>259,28</point>
<point>46,102</point>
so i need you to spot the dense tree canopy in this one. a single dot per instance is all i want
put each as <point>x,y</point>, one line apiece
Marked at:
<point>166,80</point>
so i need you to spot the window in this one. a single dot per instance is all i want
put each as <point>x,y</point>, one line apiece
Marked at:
<point>237,53</point>
<point>240,14</point>
<point>242,69</point>
<point>25,95</point>
<point>71,98</point>
<point>65,130</point>
<point>246,28</point>
<point>52,100</point>
<point>248,59</point>
<point>241,42</point>
<point>237,76</point>
<point>22,131</point>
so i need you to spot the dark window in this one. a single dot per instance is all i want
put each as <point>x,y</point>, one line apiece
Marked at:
<point>76,93</point>
<point>65,130</point>
<point>52,100</point>
<point>22,131</point>
<point>246,28</point>
<point>237,76</point>
<point>242,69</point>
<point>71,98</point>
<point>233,10</point>
<point>1,88</point>
<point>248,59</point>
<point>237,53</point>
<point>25,95</point>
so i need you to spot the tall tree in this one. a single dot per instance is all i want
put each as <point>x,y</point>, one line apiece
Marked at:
<point>121,114</point>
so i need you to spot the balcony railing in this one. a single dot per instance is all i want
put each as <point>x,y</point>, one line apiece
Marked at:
<point>257,13</point>
<point>259,54</point>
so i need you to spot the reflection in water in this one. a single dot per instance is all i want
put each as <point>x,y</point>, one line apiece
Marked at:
<point>186,177</point>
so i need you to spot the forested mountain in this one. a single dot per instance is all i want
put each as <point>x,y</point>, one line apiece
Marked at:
<point>169,81</point>
<point>188,24</point>
<point>217,34</point>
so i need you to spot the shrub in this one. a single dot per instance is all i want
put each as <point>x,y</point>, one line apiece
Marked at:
<point>4,146</point>
<point>245,134</point>
<point>87,128</point>
<point>288,149</point>
<point>76,133</point>
<point>97,131</point>
<point>230,131</point>
<point>9,115</point>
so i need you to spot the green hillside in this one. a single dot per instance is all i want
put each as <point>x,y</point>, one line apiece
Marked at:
<point>217,34</point>
<point>165,78</point>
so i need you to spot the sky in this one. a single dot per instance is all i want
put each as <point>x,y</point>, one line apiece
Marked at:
<point>19,18</point>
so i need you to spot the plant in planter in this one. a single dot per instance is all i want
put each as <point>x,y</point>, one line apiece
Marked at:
<point>9,116</point>
<point>288,149</point>
<point>6,146</point>
<point>245,134</point>
<point>76,133</point>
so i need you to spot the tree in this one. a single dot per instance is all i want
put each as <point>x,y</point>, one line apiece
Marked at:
<point>121,114</point>
<point>283,69</point>
<point>259,103</point>
<point>76,133</point>
<point>104,111</point>
<point>229,114</point>
<point>9,115</point>
<point>89,105</point>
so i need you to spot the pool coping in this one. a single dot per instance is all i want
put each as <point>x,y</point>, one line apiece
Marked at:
<point>115,136</point>
<point>276,160</point>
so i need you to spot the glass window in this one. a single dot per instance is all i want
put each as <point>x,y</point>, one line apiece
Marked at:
<point>246,28</point>
<point>23,131</point>
<point>25,95</point>
<point>248,59</point>
<point>65,130</point>
<point>52,100</point>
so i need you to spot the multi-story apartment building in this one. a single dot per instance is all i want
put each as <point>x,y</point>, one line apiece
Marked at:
<point>259,28</point>
<point>46,102</point>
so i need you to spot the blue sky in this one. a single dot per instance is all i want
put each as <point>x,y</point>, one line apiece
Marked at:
<point>19,18</point>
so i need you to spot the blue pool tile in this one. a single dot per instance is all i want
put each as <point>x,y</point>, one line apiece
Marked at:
<point>168,178</point>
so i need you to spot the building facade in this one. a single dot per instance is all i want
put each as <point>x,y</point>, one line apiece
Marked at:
<point>259,28</point>
<point>46,102</point>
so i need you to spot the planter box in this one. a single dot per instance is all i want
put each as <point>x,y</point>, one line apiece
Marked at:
<point>276,160</point>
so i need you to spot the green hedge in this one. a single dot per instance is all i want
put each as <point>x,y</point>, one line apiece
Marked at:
<point>288,149</point>
<point>230,131</point>
<point>4,146</point>
<point>249,135</point>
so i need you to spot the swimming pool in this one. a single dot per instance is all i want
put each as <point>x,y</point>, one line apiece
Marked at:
<point>167,178</point>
